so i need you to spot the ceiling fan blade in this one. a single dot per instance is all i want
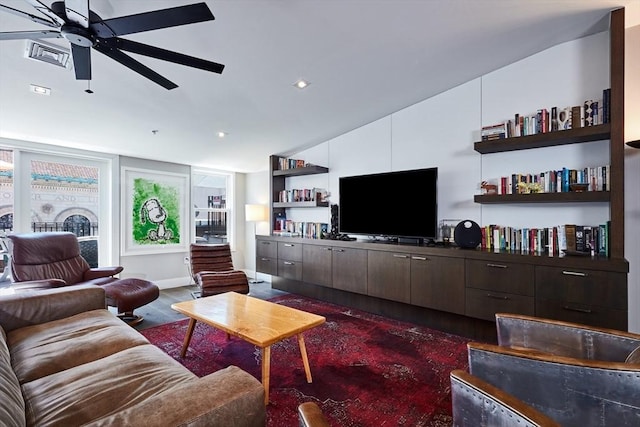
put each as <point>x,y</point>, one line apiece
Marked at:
<point>115,54</point>
<point>154,20</point>
<point>34,18</point>
<point>46,11</point>
<point>167,55</point>
<point>39,34</point>
<point>77,11</point>
<point>81,61</point>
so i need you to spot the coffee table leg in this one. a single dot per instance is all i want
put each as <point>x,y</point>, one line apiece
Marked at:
<point>305,360</point>
<point>187,338</point>
<point>266,364</point>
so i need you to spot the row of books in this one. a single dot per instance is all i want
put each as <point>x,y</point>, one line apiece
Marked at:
<point>567,239</point>
<point>309,230</point>
<point>595,178</point>
<point>287,163</point>
<point>589,113</point>
<point>302,195</point>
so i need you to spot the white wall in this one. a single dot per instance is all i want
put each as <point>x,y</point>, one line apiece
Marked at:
<point>632,172</point>
<point>440,131</point>
<point>257,193</point>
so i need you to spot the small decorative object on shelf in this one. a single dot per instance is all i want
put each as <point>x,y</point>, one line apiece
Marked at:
<point>447,230</point>
<point>530,188</point>
<point>578,187</point>
<point>488,188</point>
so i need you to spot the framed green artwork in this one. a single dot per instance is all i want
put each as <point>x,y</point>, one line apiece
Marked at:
<point>154,215</point>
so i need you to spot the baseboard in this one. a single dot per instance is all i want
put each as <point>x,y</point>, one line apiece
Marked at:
<point>175,282</point>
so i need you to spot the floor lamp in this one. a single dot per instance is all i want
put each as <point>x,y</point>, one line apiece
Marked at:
<point>256,213</point>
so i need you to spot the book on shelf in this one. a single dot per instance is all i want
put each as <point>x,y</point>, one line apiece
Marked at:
<point>285,163</point>
<point>556,240</point>
<point>308,230</point>
<point>606,105</point>
<point>591,112</point>
<point>596,178</point>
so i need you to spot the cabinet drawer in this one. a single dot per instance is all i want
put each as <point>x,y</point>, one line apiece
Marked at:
<point>290,269</point>
<point>584,314</point>
<point>484,304</point>
<point>508,277</point>
<point>290,251</point>
<point>582,286</point>
<point>267,265</point>
<point>266,249</point>
<point>317,265</point>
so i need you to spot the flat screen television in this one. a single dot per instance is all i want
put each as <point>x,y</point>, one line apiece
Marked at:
<point>402,204</point>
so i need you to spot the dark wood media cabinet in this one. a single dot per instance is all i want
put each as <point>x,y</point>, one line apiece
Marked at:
<point>448,288</point>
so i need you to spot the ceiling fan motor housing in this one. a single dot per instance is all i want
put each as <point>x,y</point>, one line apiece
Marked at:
<point>77,35</point>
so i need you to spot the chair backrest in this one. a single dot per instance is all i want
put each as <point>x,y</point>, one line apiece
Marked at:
<point>208,257</point>
<point>573,392</point>
<point>564,338</point>
<point>47,255</point>
<point>476,403</point>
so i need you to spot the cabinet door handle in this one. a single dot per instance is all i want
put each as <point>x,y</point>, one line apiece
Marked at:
<point>574,273</point>
<point>289,245</point>
<point>265,243</point>
<point>580,310</point>
<point>265,259</point>
<point>339,250</point>
<point>400,256</point>
<point>496,265</point>
<point>289,263</point>
<point>497,297</point>
<point>327,249</point>
<point>419,258</point>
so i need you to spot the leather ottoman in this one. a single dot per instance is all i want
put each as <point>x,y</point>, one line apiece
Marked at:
<point>129,294</point>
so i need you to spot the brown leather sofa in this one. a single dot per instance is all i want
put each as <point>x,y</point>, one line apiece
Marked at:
<point>65,360</point>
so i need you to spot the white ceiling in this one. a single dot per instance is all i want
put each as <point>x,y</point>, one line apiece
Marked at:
<point>364,58</point>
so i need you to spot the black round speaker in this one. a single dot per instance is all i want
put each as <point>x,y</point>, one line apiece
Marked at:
<point>467,234</point>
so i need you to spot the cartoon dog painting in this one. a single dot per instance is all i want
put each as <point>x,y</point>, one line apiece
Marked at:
<point>153,212</point>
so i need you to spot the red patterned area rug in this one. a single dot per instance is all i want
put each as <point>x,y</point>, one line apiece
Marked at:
<point>367,370</point>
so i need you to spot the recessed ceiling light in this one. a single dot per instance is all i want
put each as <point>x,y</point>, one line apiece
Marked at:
<point>301,84</point>
<point>40,90</point>
<point>222,134</point>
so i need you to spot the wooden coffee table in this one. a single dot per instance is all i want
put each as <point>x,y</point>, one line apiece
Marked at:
<point>262,323</point>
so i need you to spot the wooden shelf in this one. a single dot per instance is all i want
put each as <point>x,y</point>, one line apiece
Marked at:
<point>308,170</point>
<point>550,139</point>
<point>569,197</point>
<point>314,204</point>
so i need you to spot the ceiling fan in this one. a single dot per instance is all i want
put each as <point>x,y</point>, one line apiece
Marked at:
<point>84,29</point>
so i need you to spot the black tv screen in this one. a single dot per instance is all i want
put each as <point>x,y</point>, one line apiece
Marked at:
<point>392,204</point>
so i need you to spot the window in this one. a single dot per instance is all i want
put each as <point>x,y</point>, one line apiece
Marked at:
<point>48,192</point>
<point>211,206</point>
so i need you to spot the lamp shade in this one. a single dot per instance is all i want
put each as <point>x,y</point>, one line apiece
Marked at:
<point>256,213</point>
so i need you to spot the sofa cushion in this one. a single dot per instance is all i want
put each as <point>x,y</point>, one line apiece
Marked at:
<point>103,387</point>
<point>11,402</point>
<point>47,348</point>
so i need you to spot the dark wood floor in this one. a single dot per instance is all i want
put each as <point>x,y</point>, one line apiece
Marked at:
<point>160,312</point>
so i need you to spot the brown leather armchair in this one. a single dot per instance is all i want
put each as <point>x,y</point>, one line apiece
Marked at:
<point>52,259</point>
<point>212,270</point>
<point>576,374</point>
